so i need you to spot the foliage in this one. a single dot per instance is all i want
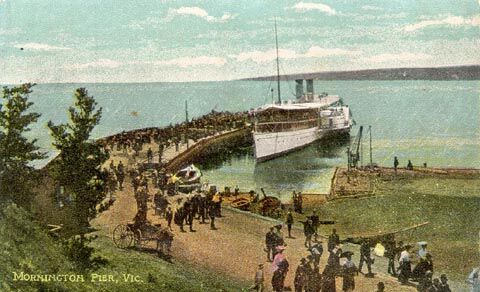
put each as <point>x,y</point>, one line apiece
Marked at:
<point>81,255</point>
<point>17,177</point>
<point>78,167</point>
<point>25,247</point>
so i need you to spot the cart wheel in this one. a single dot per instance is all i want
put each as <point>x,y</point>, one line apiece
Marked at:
<point>122,236</point>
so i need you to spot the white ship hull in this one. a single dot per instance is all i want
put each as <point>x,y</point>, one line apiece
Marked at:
<point>270,145</point>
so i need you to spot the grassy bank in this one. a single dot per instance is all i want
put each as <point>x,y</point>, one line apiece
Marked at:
<point>25,247</point>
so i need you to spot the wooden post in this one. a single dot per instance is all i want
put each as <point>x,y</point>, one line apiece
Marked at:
<point>371,159</point>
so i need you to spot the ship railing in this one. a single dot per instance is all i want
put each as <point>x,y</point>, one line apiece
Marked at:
<point>272,127</point>
<point>286,122</point>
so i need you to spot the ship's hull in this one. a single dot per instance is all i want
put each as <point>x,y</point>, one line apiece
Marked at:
<point>272,145</point>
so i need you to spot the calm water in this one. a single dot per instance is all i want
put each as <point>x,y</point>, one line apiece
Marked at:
<point>437,122</point>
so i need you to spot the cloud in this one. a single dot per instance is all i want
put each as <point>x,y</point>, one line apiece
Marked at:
<point>40,47</point>
<point>318,52</point>
<point>449,20</point>
<point>101,63</point>
<point>308,6</point>
<point>193,61</point>
<point>371,8</point>
<point>270,55</point>
<point>265,56</point>
<point>11,31</point>
<point>400,57</point>
<point>197,12</point>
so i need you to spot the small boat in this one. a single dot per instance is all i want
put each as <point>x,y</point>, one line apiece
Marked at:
<point>241,203</point>
<point>268,203</point>
<point>187,179</point>
<point>189,175</point>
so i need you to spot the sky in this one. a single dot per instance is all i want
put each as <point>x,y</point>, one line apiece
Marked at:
<point>158,41</point>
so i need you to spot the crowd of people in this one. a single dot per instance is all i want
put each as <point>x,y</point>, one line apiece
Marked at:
<point>133,142</point>
<point>309,276</point>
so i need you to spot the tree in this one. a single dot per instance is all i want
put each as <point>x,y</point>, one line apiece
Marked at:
<point>78,166</point>
<point>17,176</point>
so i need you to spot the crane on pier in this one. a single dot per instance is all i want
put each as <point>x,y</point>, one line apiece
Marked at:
<point>354,150</point>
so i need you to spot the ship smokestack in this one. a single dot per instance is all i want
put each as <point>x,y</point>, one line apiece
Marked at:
<point>310,86</point>
<point>299,88</point>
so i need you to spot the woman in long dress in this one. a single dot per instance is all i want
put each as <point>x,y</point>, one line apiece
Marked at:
<point>279,269</point>
<point>328,279</point>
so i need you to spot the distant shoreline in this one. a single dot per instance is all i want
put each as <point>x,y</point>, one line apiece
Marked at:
<point>465,72</point>
<point>447,73</point>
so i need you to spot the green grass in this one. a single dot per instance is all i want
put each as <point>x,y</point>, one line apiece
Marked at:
<point>452,206</point>
<point>24,246</point>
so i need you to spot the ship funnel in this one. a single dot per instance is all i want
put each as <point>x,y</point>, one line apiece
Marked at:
<point>299,88</point>
<point>310,86</point>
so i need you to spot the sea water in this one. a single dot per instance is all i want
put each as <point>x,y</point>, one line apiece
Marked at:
<point>433,122</point>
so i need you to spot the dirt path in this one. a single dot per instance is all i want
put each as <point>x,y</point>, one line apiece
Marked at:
<point>234,249</point>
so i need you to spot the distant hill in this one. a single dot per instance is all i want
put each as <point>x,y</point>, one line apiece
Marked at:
<point>471,72</point>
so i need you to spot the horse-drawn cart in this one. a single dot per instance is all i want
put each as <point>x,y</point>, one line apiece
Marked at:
<point>131,234</point>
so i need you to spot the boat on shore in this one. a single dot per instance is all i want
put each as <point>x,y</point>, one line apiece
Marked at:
<point>285,126</point>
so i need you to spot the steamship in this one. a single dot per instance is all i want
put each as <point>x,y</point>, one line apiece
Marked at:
<point>282,127</point>
<point>286,126</point>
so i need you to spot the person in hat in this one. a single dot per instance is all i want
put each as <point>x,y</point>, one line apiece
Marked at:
<point>314,283</point>
<point>300,202</point>
<point>315,221</point>
<point>333,262</point>
<point>328,278</point>
<point>301,275</point>
<point>279,269</point>
<point>405,265</point>
<point>425,283</point>
<point>308,231</point>
<point>422,251</point>
<point>316,251</point>
<point>395,164</point>
<point>380,287</point>
<point>178,218</point>
<point>422,267</point>
<point>169,217</point>
<point>277,239</point>
<point>295,201</point>
<point>212,212</point>
<point>333,240</point>
<point>444,287</point>
<point>365,257</point>
<point>120,173</point>
<point>259,280</point>
<point>390,253</point>
<point>270,244</point>
<point>289,222</point>
<point>278,257</point>
<point>278,233</point>
<point>349,271</point>
<point>436,286</point>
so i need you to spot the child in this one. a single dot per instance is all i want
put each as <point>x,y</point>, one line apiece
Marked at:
<point>259,279</point>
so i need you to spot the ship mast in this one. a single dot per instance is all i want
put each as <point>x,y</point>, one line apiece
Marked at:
<point>278,66</point>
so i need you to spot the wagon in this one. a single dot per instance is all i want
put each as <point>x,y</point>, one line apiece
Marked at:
<point>134,235</point>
